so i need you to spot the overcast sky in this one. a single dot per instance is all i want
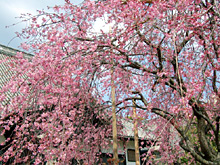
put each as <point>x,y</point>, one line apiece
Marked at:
<point>10,9</point>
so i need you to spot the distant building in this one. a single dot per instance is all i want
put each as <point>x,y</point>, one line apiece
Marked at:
<point>126,147</point>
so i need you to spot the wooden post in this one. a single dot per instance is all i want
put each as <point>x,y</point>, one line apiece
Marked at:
<point>114,121</point>
<point>136,143</point>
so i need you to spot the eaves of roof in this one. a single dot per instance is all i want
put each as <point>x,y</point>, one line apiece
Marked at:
<point>8,51</point>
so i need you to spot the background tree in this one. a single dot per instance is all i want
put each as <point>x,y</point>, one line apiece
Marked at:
<point>165,56</point>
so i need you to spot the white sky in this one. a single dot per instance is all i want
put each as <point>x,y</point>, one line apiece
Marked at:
<point>10,9</point>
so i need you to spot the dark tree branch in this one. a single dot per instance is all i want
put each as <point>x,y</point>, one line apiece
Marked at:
<point>214,82</point>
<point>200,112</point>
<point>202,117</point>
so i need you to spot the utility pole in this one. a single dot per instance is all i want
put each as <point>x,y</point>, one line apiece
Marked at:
<point>136,143</point>
<point>114,121</point>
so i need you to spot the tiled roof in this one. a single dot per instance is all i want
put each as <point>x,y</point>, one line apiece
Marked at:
<point>5,50</point>
<point>128,130</point>
<point>7,55</point>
